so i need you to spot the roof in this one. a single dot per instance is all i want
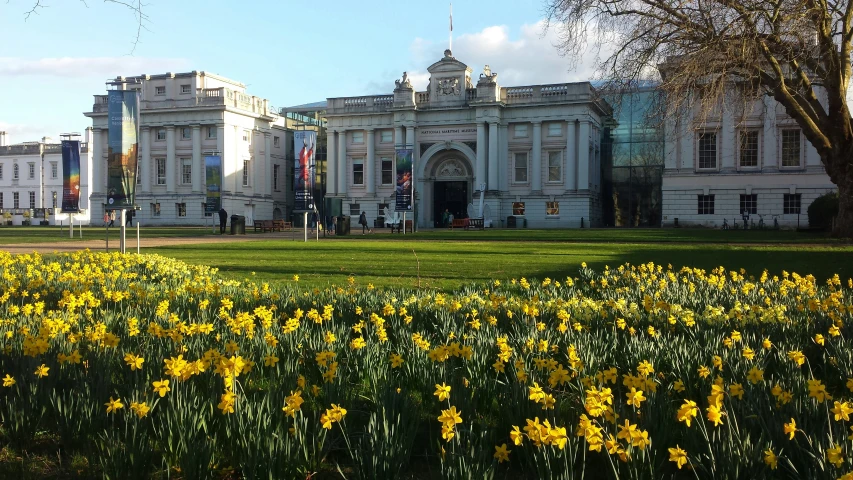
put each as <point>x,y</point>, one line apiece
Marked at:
<point>307,107</point>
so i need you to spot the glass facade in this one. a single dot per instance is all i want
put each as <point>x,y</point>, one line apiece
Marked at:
<point>633,159</point>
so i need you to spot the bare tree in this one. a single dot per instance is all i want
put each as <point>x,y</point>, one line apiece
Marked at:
<point>796,51</point>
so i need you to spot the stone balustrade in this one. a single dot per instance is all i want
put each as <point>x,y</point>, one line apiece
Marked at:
<point>203,97</point>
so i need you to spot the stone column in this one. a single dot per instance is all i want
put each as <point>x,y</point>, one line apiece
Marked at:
<point>342,163</point>
<point>145,160</point>
<point>170,159</point>
<point>238,161</point>
<point>220,150</point>
<point>503,157</point>
<point>370,164</point>
<point>399,141</point>
<point>583,157</point>
<point>268,168</point>
<point>536,171</point>
<point>480,167</point>
<point>331,163</point>
<point>493,156</point>
<point>570,179</point>
<point>198,165</point>
<point>258,166</point>
<point>97,186</point>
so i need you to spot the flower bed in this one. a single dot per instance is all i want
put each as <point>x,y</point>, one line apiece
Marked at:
<point>146,365</point>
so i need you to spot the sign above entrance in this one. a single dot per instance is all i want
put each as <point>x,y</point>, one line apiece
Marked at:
<point>455,132</point>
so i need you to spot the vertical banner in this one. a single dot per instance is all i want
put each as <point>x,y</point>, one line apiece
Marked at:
<point>213,181</point>
<point>304,170</point>
<point>70,176</point>
<point>123,117</point>
<point>404,180</point>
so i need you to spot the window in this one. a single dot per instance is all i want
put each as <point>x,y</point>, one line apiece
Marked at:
<point>520,130</point>
<point>161,171</point>
<point>161,134</point>
<point>276,142</point>
<point>706,204</point>
<point>211,132</point>
<point>53,198</point>
<point>707,151</point>
<point>518,208</point>
<point>749,149</point>
<point>749,203</point>
<point>357,171</point>
<point>276,171</point>
<point>246,166</point>
<point>247,136</point>
<point>16,200</point>
<point>358,137</point>
<point>138,172</point>
<point>387,171</point>
<point>355,209</point>
<point>54,170</point>
<point>552,209</point>
<point>186,133</point>
<point>790,148</point>
<point>791,203</point>
<point>1,175</point>
<point>155,209</point>
<point>555,129</point>
<point>555,166</point>
<point>185,89</point>
<point>520,167</point>
<point>386,136</point>
<point>1,199</point>
<point>380,209</point>
<point>186,171</point>
<point>159,90</point>
<point>31,170</point>
<point>15,171</point>
<point>182,209</point>
<point>32,199</point>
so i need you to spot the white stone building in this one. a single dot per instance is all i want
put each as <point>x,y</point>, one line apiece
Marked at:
<point>535,148</point>
<point>31,178</point>
<point>184,117</point>
<point>719,164</point>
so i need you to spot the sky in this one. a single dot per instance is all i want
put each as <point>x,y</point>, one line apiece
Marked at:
<point>52,63</point>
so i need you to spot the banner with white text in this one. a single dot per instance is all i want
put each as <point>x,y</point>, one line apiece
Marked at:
<point>304,143</point>
<point>213,180</point>
<point>123,118</point>
<point>404,180</point>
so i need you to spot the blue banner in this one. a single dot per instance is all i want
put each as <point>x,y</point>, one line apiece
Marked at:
<point>123,118</point>
<point>213,180</point>
<point>404,180</point>
<point>70,176</point>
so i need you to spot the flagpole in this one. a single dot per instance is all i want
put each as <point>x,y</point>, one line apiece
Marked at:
<point>450,45</point>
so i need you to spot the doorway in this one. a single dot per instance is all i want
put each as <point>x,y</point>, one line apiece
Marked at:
<point>450,196</point>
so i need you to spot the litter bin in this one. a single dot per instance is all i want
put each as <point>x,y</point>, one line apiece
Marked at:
<point>342,228</point>
<point>510,222</point>
<point>238,225</point>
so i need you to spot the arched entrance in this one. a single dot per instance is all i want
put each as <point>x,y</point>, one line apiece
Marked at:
<point>446,182</point>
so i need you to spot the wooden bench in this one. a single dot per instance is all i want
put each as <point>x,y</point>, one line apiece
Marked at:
<point>459,223</point>
<point>259,225</point>
<point>399,227</point>
<point>281,225</point>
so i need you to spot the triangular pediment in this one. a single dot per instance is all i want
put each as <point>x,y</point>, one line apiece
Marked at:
<point>448,64</point>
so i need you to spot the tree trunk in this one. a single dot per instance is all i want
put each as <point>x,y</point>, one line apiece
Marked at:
<point>844,220</point>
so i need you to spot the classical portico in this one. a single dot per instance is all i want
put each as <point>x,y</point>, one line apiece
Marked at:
<point>534,150</point>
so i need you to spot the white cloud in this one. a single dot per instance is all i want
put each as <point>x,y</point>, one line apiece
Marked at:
<point>101,67</point>
<point>530,59</point>
<point>19,132</point>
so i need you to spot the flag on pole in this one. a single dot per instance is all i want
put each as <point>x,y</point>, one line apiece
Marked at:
<point>451,17</point>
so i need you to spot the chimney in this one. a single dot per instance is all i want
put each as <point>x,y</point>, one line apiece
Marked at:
<point>2,139</point>
<point>88,137</point>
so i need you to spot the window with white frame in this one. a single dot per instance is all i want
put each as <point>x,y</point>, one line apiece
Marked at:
<point>386,136</point>
<point>1,199</point>
<point>748,154</point>
<point>1,173</point>
<point>161,134</point>
<point>247,165</point>
<point>358,136</point>
<point>354,209</point>
<point>247,136</point>
<point>519,130</point>
<point>31,168</point>
<point>159,90</point>
<point>791,152</point>
<point>519,167</point>
<point>161,171</point>
<point>791,203</point>
<point>16,200</point>
<point>155,209</point>
<point>15,172</point>
<point>749,203</point>
<point>185,89</point>
<point>181,209</point>
<point>276,171</point>
<point>186,171</point>
<point>358,171</point>
<point>276,141</point>
<point>705,204</point>
<point>552,209</point>
<point>555,167</point>
<point>707,150</point>
<point>555,129</point>
<point>387,171</point>
<point>211,132</point>
<point>186,133</point>
<point>54,170</point>
<point>32,199</point>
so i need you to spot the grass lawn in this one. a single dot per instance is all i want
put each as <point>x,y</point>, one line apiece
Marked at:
<point>446,260</point>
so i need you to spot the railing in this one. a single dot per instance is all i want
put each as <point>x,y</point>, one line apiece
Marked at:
<point>203,97</point>
<point>369,104</point>
<point>470,94</point>
<point>547,93</point>
<point>422,97</point>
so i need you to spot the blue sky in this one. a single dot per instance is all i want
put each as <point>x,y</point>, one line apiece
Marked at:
<point>289,52</point>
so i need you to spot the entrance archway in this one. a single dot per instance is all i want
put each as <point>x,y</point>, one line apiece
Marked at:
<point>445,179</point>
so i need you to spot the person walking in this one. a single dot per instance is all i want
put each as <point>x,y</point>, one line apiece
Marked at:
<point>223,217</point>
<point>128,218</point>
<point>112,218</point>
<point>362,220</point>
